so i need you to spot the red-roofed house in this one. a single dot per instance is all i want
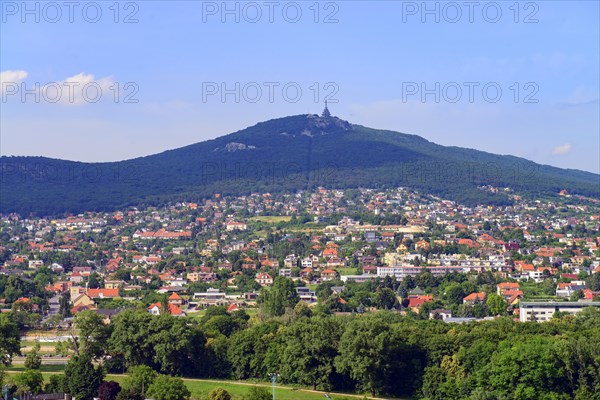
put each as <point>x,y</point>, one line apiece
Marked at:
<point>264,279</point>
<point>501,287</point>
<point>416,301</point>
<point>474,297</point>
<point>328,274</point>
<point>155,309</point>
<point>175,299</point>
<point>103,293</point>
<point>232,308</point>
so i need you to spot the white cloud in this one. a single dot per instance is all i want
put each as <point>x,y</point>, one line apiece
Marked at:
<point>9,77</point>
<point>75,90</point>
<point>80,89</point>
<point>562,149</point>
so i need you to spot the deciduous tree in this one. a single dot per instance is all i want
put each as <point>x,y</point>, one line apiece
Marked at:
<point>82,378</point>
<point>166,387</point>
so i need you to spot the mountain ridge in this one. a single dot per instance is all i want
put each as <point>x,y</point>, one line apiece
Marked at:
<point>284,154</point>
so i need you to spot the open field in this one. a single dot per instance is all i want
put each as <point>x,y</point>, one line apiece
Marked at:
<point>45,346</point>
<point>272,219</point>
<point>14,368</point>
<point>18,362</point>
<point>43,349</point>
<point>201,387</point>
<point>347,271</point>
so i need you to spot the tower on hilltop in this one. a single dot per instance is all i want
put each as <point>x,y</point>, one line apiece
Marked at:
<point>326,113</point>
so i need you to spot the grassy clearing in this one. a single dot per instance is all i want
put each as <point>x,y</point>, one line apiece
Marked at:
<point>43,368</point>
<point>31,343</point>
<point>200,388</point>
<point>304,229</point>
<point>272,219</point>
<point>45,347</point>
<point>251,311</point>
<point>347,271</point>
<point>45,332</point>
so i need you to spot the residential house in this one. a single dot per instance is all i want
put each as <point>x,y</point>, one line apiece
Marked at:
<point>329,274</point>
<point>287,272</point>
<point>264,279</point>
<point>440,314</point>
<point>156,309</point>
<point>416,301</point>
<point>474,298</point>
<point>235,225</point>
<point>567,289</point>
<point>103,293</point>
<point>175,299</point>
<point>212,297</point>
<point>306,295</point>
<point>501,287</point>
<point>113,284</point>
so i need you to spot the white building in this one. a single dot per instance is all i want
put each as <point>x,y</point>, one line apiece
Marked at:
<point>543,311</point>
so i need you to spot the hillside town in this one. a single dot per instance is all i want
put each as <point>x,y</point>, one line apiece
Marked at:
<point>346,251</point>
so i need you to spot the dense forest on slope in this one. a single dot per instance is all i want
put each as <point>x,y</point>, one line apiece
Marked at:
<point>287,154</point>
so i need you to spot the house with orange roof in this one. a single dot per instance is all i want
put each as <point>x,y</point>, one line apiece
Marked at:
<point>329,274</point>
<point>501,287</point>
<point>388,236</point>
<point>235,225</point>
<point>568,288</point>
<point>548,251</point>
<point>156,309</point>
<point>415,301</point>
<point>330,252</point>
<point>269,263</point>
<point>175,299</point>
<point>468,243</point>
<point>512,297</point>
<point>76,277</point>
<point>250,266</point>
<point>103,293</point>
<point>82,307</point>
<point>233,308</point>
<point>305,272</point>
<point>526,268</point>
<point>58,287</point>
<point>475,297</point>
<point>588,294</point>
<point>335,262</point>
<point>264,279</point>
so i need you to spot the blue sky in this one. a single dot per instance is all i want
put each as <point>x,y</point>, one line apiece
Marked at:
<point>528,73</point>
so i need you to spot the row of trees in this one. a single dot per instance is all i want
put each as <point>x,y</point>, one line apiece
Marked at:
<point>381,353</point>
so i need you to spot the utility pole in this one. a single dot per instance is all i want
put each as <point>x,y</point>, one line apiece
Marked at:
<point>273,377</point>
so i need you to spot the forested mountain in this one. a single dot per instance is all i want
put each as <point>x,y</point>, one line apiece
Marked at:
<point>285,154</point>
